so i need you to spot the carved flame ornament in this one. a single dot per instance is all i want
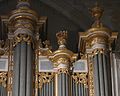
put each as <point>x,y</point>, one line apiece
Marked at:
<point>61,36</point>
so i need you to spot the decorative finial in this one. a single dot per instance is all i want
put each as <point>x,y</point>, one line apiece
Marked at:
<point>23,3</point>
<point>97,12</point>
<point>61,36</point>
<point>47,44</point>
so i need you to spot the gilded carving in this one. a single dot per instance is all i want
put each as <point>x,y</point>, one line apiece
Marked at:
<point>45,77</point>
<point>63,70</point>
<point>3,79</point>
<point>10,74</point>
<point>3,47</point>
<point>97,51</point>
<point>9,87</point>
<point>90,76</point>
<point>62,55</point>
<point>22,37</point>
<point>80,78</point>
<point>24,21</point>
<point>61,36</point>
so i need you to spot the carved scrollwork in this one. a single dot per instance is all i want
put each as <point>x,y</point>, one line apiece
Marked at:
<point>80,78</point>
<point>90,76</point>
<point>22,37</point>
<point>97,51</point>
<point>3,47</point>
<point>63,70</point>
<point>45,77</point>
<point>61,36</point>
<point>3,79</point>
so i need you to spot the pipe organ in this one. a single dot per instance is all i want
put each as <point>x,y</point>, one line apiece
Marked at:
<point>29,69</point>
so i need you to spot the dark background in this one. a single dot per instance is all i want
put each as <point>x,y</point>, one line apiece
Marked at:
<point>70,15</point>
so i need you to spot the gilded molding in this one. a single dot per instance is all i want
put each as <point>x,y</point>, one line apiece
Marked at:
<point>10,74</point>
<point>9,88</point>
<point>36,76</point>
<point>23,23</point>
<point>10,68</point>
<point>23,13</point>
<point>62,56</point>
<point>90,76</point>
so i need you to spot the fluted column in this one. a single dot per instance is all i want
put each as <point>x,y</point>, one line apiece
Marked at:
<point>29,71</point>
<point>63,83</point>
<point>3,91</point>
<point>23,75</point>
<point>23,68</point>
<point>115,73</point>
<point>16,71</point>
<point>102,74</point>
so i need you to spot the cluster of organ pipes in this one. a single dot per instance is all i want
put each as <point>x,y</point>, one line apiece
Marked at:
<point>60,72</point>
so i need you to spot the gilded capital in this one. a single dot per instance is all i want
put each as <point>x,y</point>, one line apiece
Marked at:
<point>23,20</point>
<point>98,35</point>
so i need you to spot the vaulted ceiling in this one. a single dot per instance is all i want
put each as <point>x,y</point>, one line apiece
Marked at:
<point>71,15</point>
